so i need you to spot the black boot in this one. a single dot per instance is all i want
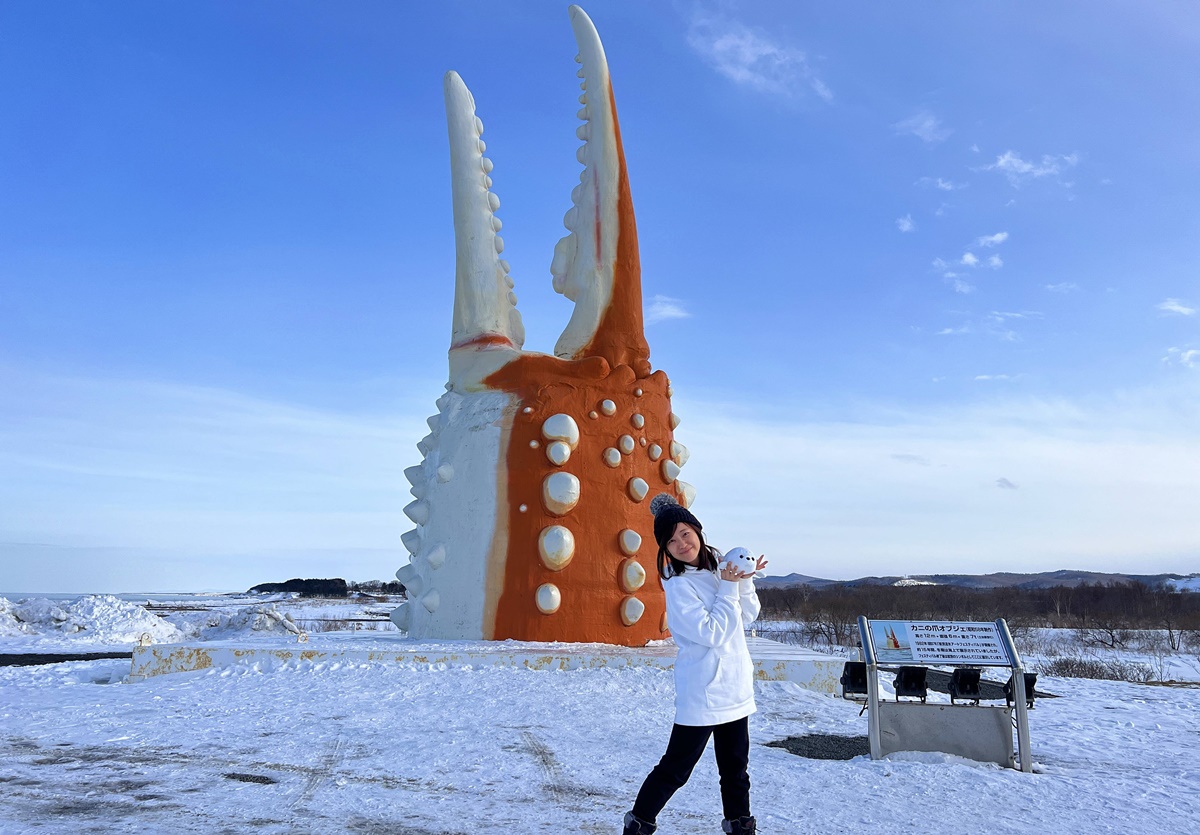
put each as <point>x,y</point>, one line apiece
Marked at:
<point>742,826</point>
<point>637,826</point>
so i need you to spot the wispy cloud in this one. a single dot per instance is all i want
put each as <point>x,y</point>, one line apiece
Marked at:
<point>940,184</point>
<point>969,260</point>
<point>1175,306</point>
<point>954,331</point>
<point>991,240</point>
<point>1062,287</point>
<point>996,377</point>
<point>1019,170</point>
<point>1189,357</point>
<point>909,458</point>
<point>1005,484</point>
<point>995,262</point>
<point>923,125</point>
<point>662,308</point>
<point>906,224</point>
<point>753,58</point>
<point>961,286</point>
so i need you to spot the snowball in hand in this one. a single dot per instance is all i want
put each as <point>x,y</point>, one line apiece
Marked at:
<point>742,560</point>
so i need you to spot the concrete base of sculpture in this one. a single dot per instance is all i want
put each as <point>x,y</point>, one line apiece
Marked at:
<point>773,661</point>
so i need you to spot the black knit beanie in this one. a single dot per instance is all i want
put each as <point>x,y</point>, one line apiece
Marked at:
<point>667,514</point>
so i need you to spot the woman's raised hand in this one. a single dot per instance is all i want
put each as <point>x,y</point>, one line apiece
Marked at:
<point>762,562</point>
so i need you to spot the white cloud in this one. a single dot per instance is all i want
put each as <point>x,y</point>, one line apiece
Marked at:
<point>988,377</point>
<point>940,184</point>
<point>991,240</point>
<point>1189,357</point>
<point>1175,306</point>
<point>1062,287</point>
<point>995,262</point>
<point>1019,170</point>
<point>954,331</point>
<point>964,287</point>
<point>923,125</point>
<point>662,308</point>
<point>905,224</point>
<point>1001,315</point>
<point>969,260</point>
<point>751,57</point>
<point>974,149</point>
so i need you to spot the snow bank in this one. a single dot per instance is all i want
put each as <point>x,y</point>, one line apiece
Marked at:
<point>262,619</point>
<point>96,618</point>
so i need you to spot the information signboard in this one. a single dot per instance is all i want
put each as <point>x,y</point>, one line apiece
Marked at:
<point>924,642</point>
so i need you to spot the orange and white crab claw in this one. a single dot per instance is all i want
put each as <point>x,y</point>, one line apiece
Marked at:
<point>531,502</point>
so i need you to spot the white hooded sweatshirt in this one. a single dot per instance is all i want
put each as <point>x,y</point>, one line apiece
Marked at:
<point>714,676</point>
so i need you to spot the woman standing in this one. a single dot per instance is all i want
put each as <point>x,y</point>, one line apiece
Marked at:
<point>707,610</point>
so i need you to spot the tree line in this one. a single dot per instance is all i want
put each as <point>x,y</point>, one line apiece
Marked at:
<point>1104,612</point>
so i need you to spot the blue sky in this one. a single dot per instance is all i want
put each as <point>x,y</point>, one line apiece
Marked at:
<point>925,277</point>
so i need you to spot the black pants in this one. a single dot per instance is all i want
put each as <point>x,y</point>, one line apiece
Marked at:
<point>731,743</point>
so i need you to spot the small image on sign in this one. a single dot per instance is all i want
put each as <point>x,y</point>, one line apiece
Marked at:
<point>892,640</point>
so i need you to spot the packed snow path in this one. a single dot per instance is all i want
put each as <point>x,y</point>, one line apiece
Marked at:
<point>426,751</point>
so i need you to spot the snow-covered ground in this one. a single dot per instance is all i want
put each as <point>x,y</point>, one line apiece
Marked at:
<point>424,750</point>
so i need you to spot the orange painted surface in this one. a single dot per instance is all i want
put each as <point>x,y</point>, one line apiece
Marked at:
<point>590,584</point>
<point>620,337</point>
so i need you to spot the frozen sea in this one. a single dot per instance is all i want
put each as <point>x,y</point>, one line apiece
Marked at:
<point>304,747</point>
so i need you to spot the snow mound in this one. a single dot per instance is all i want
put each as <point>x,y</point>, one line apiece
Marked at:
<point>103,617</point>
<point>908,581</point>
<point>10,624</point>
<point>97,618</point>
<point>264,619</point>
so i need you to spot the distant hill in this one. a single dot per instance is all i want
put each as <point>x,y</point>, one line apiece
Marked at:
<point>1044,580</point>
<point>334,587</point>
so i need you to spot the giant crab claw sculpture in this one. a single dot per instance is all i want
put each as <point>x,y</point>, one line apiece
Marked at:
<point>532,499</point>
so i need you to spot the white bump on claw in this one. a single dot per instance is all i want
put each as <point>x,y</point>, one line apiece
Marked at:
<point>637,392</point>
<point>523,508</point>
<point>679,452</point>
<point>556,546</point>
<point>655,452</point>
<point>626,444</point>
<point>412,541</point>
<point>561,427</point>
<point>436,557</point>
<point>674,420</point>
<point>560,493</point>
<point>633,576</point>
<point>638,489</point>
<point>417,511</point>
<point>445,473</point>
<point>688,491</point>
<point>499,244</point>
<point>631,610</point>
<point>534,444</point>
<point>430,601</point>
<point>528,410</point>
<point>630,541</point>
<point>547,598</point>
<point>400,615</point>
<point>670,470</point>
<point>593,415</point>
<point>558,453</point>
<point>608,407</point>
<point>612,457</point>
<point>638,421</point>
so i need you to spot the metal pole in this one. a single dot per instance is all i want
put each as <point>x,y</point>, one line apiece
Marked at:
<point>1018,679</point>
<point>868,650</point>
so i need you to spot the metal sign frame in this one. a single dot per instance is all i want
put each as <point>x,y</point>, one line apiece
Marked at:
<point>870,656</point>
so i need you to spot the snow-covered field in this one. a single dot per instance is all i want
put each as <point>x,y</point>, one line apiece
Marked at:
<point>418,749</point>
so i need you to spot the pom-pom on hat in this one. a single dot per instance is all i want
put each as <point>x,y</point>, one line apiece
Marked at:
<point>667,514</point>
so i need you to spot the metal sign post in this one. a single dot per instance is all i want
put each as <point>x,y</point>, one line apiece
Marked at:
<point>1019,697</point>
<point>868,647</point>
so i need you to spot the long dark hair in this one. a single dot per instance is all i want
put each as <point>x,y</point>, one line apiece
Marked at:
<point>669,567</point>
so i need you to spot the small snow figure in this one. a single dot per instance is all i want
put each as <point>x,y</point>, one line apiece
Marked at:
<point>743,561</point>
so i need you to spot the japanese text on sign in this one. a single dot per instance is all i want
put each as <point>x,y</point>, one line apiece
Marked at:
<point>939,643</point>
